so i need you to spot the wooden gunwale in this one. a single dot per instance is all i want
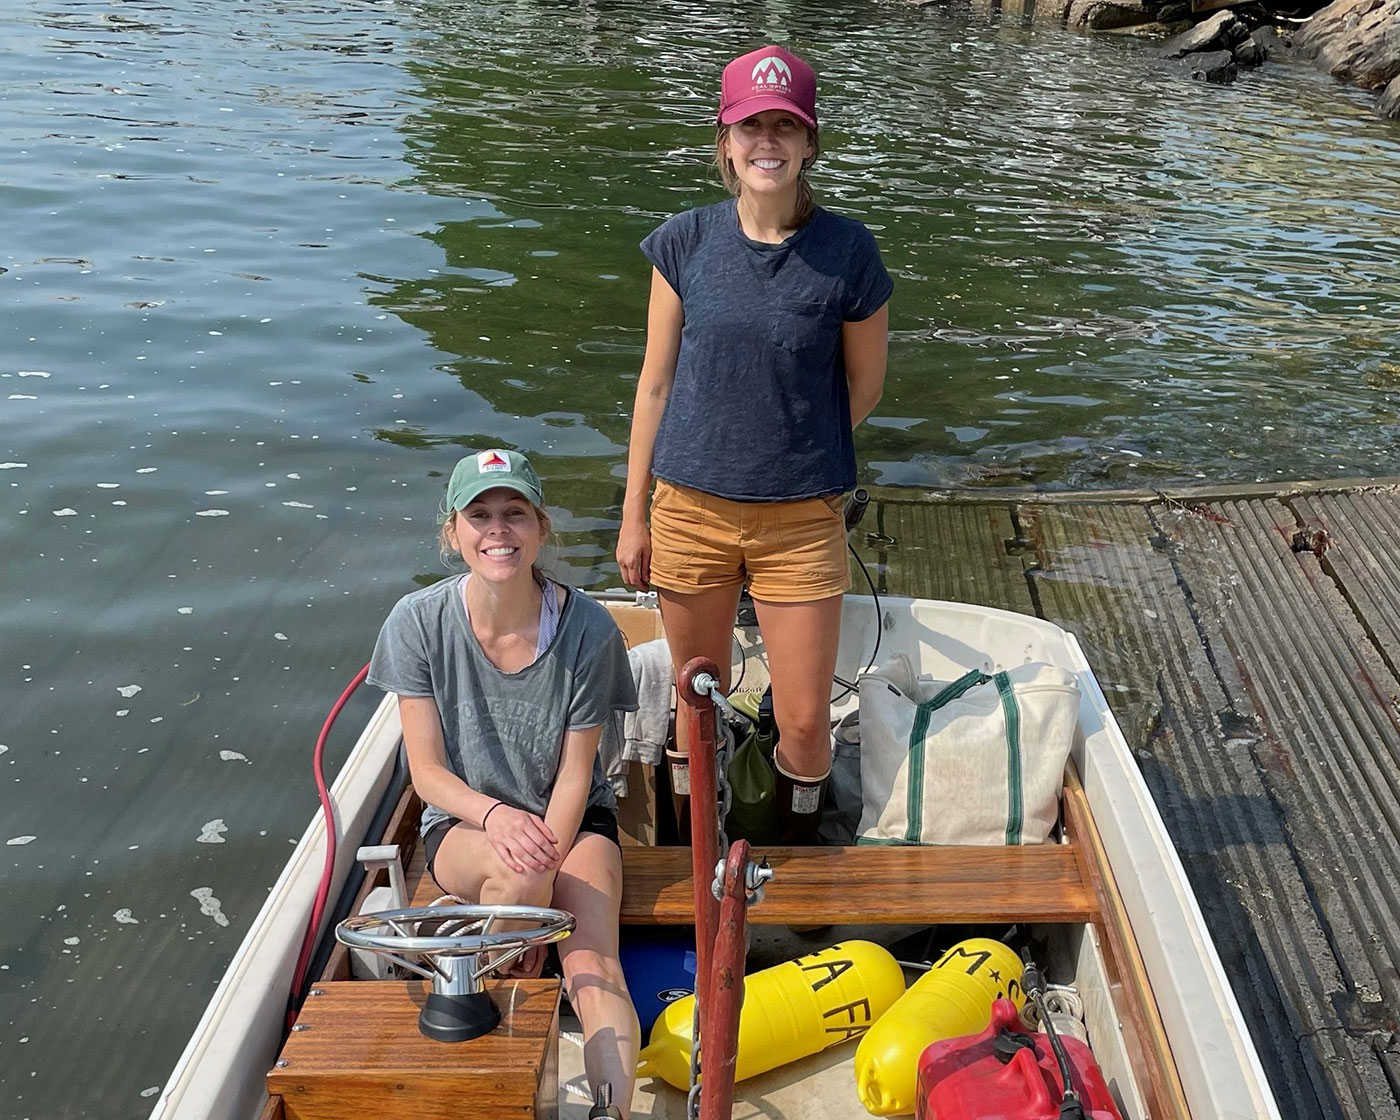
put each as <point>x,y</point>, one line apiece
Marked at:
<point>1144,1035</point>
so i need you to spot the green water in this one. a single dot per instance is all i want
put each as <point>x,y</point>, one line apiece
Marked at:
<point>268,268</point>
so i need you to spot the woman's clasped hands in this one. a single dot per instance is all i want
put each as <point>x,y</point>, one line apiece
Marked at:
<point>522,840</point>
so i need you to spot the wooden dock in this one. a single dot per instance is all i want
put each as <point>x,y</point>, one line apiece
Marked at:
<point>1248,640</point>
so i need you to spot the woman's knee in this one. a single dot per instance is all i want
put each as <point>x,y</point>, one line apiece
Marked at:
<point>804,728</point>
<point>504,886</point>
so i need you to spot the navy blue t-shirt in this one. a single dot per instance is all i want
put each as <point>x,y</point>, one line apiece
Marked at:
<point>759,410</point>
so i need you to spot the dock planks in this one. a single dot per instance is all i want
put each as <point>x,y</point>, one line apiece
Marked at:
<point>1248,641</point>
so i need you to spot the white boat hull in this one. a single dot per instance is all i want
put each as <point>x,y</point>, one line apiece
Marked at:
<point>220,1074</point>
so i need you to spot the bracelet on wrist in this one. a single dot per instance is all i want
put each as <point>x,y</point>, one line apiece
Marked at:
<point>486,816</point>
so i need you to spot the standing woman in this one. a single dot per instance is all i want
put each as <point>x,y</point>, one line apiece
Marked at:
<point>505,680</point>
<point>766,343</point>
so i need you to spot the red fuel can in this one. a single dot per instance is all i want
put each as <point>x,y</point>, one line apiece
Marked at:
<point>964,1079</point>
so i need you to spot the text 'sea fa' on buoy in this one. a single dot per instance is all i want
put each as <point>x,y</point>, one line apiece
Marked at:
<point>790,1011</point>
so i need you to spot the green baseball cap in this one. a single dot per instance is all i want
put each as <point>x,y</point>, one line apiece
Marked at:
<point>481,471</point>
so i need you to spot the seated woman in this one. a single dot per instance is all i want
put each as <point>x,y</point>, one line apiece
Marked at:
<point>505,679</point>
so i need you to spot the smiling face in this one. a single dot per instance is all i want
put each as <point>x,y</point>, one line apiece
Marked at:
<point>768,150</point>
<point>498,535</point>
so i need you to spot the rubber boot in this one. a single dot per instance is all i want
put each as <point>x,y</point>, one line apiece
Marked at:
<point>680,793</point>
<point>603,1108</point>
<point>799,804</point>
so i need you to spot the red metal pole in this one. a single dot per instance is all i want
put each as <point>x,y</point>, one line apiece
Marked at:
<point>719,1025</point>
<point>704,821</point>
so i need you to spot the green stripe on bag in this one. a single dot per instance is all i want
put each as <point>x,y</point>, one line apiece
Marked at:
<point>1015,811</point>
<point>914,809</point>
<point>914,794</point>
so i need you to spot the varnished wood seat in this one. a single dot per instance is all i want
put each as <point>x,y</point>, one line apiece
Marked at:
<point>359,1054</point>
<point>876,885</point>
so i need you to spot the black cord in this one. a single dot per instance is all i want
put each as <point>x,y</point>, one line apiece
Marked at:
<point>743,664</point>
<point>879,626</point>
<point>1034,987</point>
<point>850,686</point>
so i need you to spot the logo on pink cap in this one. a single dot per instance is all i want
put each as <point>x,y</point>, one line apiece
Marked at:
<point>768,78</point>
<point>770,70</point>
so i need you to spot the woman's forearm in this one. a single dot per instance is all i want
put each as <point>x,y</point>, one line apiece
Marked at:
<point>569,798</point>
<point>564,813</point>
<point>665,318</point>
<point>647,410</point>
<point>865,346</point>
<point>864,398</point>
<point>441,787</point>
<point>435,782</point>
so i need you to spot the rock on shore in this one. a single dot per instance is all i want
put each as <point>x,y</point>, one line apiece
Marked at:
<point>1357,41</point>
<point>1219,47</point>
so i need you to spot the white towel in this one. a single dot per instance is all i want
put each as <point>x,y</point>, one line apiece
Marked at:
<point>639,736</point>
<point>645,730</point>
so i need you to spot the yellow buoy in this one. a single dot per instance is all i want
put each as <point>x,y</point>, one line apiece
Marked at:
<point>790,1010</point>
<point>954,998</point>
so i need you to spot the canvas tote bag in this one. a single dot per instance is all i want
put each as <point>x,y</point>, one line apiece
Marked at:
<point>978,761</point>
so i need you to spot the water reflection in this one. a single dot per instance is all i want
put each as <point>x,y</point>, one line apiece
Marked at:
<point>1079,219</point>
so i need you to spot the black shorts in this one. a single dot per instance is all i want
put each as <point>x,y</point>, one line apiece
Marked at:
<point>596,818</point>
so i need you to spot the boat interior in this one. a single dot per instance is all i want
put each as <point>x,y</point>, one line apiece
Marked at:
<point>356,1049</point>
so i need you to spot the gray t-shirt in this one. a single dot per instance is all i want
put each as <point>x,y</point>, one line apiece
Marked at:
<point>759,409</point>
<point>504,731</point>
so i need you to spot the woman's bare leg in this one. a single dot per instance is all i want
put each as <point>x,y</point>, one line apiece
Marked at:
<point>801,640</point>
<point>589,886</point>
<point>467,865</point>
<point>700,625</point>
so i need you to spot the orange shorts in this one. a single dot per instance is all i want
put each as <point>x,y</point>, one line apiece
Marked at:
<point>789,552</point>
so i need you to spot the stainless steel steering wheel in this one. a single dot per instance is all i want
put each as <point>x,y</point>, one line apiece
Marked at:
<point>457,946</point>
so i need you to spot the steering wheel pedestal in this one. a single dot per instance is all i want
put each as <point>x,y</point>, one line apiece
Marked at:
<point>458,1018</point>
<point>457,945</point>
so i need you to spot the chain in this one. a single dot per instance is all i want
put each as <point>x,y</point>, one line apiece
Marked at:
<point>725,752</point>
<point>692,1098</point>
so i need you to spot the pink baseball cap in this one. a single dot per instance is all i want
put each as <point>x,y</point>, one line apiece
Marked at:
<point>768,78</point>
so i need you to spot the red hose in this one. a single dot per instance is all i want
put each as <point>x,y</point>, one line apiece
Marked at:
<point>323,889</point>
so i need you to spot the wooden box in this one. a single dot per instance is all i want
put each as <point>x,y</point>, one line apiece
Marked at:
<point>360,1054</point>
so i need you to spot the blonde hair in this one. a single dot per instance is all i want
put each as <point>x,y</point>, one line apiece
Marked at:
<point>802,212</point>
